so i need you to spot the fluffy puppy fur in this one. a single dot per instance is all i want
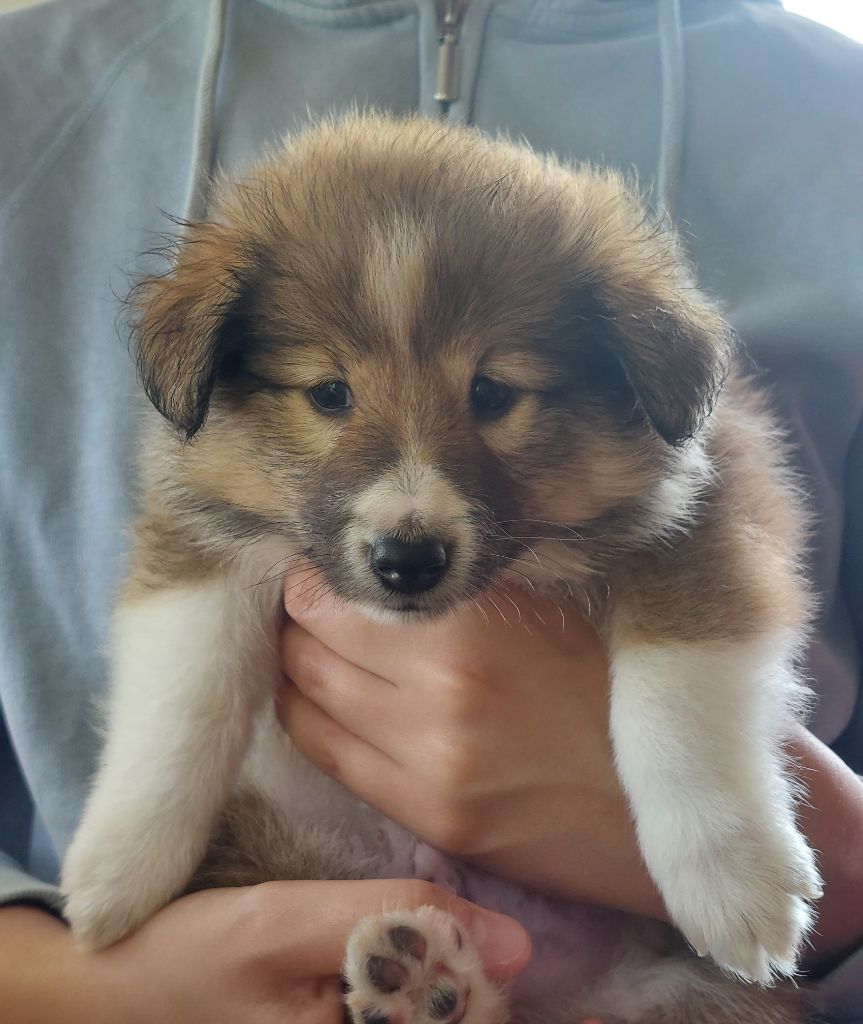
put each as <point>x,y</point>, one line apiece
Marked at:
<point>399,332</point>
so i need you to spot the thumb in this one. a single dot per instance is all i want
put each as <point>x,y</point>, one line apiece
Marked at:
<point>329,911</point>
<point>501,942</point>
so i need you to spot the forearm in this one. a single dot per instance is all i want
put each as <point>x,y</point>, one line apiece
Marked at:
<point>832,818</point>
<point>44,979</point>
<point>594,857</point>
<point>587,853</point>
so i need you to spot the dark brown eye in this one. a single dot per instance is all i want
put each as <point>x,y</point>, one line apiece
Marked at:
<point>489,398</point>
<point>331,396</point>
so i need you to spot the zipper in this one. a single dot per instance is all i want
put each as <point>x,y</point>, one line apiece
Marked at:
<point>448,88</point>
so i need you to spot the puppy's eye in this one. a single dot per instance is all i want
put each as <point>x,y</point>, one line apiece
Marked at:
<point>489,398</point>
<point>331,396</point>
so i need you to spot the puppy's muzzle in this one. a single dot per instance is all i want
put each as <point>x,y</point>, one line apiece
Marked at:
<point>408,567</point>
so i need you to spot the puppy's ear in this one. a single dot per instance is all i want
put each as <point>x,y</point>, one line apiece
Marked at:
<point>186,322</point>
<point>674,351</point>
<point>645,330</point>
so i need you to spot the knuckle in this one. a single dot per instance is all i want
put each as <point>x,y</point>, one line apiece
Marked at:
<point>307,674</point>
<point>256,918</point>
<point>313,738</point>
<point>461,693</point>
<point>452,765</point>
<point>305,666</point>
<point>417,892</point>
<point>324,758</point>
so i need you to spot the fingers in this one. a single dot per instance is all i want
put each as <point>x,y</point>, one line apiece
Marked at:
<point>472,635</point>
<point>366,771</point>
<point>329,911</point>
<point>379,647</point>
<point>337,751</point>
<point>359,700</point>
<point>393,649</point>
<point>429,788</point>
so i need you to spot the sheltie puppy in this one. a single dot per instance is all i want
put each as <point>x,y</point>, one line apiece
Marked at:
<point>398,349</point>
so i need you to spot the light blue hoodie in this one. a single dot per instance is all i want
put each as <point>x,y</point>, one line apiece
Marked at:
<point>112,111</point>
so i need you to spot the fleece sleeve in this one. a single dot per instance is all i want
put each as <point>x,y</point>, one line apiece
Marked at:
<point>16,886</point>
<point>840,996</point>
<point>841,992</point>
<point>16,827</point>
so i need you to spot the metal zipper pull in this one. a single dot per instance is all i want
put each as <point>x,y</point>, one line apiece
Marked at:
<point>450,15</point>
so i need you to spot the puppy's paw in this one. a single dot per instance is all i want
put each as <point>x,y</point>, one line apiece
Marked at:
<point>96,918</point>
<point>746,903</point>
<point>417,967</point>
<point>108,891</point>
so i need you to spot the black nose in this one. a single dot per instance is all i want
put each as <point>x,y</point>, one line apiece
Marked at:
<point>407,567</point>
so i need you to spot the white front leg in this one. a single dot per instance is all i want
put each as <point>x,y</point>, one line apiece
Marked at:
<point>191,665</point>
<point>697,733</point>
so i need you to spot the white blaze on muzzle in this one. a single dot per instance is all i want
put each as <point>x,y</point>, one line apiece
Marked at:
<point>413,502</point>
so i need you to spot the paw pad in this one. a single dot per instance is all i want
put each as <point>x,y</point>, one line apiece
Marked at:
<point>415,967</point>
<point>408,940</point>
<point>443,1000</point>
<point>373,1017</point>
<point>386,975</point>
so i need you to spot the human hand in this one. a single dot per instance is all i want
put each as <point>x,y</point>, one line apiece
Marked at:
<point>485,737</point>
<point>491,742</point>
<point>266,953</point>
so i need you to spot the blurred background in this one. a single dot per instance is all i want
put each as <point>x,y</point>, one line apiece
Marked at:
<point>843,15</point>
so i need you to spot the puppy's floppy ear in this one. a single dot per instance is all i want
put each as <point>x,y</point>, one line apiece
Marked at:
<point>675,352</point>
<point>644,330</point>
<point>185,322</point>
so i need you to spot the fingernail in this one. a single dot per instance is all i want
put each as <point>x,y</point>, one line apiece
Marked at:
<point>500,941</point>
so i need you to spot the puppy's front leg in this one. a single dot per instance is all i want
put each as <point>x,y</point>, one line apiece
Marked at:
<point>190,667</point>
<point>697,731</point>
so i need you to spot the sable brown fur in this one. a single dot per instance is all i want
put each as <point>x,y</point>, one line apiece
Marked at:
<point>582,301</point>
<point>637,466</point>
<point>254,844</point>
<point>558,279</point>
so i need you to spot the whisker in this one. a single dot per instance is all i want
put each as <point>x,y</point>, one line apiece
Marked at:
<point>550,572</point>
<point>307,579</point>
<point>530,549</point>
<point>286,572</point>
<point>539,536</point>
<point>481,610</point>
<point>556,576</point>
<point>313,588</point>
<point>517,609</point>
<point>526,579</point>
<point>520,622</point>
<point>554,562</point>
<point>545,522</point>
<point>318,594</point>
<point>267,578</point>
<point>488,597</point>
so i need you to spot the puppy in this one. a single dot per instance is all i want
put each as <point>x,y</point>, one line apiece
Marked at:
<point>425,361</point>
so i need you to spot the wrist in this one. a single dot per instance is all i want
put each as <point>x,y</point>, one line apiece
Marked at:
<point>593,858</point>
<point>46,979</point>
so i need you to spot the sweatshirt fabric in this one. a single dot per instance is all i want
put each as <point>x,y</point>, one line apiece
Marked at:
<point>746,121</point>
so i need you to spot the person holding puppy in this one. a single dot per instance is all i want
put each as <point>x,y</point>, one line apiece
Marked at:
<point>135,108</point>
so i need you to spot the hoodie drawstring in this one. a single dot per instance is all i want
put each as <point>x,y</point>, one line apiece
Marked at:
<point>673,108</point>
<point>205,113</point>
<point>671,134</point>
